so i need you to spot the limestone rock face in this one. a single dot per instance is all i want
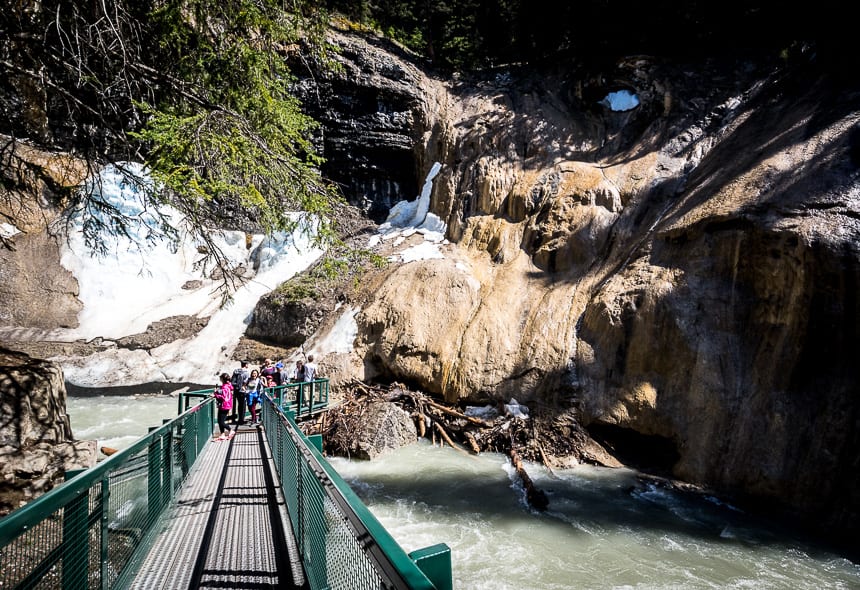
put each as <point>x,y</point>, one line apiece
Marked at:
<point>465,329</point>
<point>35,290</point>
<point>289,323</point>
<point>685,273</point>
<point>163,332</point>
<point>294,312</point>
<point>374,109</point>
<point>575,209</point>
<point>36,442</point>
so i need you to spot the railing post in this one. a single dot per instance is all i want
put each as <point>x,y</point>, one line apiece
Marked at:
<point>300,399</point>
<point>211,420</point>
<point>153,477</point>
<point>203,426</point>
<point>76,544</point>
<point>317,441</point>
<point>167,465</point>
<point>191,441</point>
<point>103,552</point>
<point>435,563</point>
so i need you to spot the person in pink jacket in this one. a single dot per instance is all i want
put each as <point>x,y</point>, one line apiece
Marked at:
<point>224,401</point>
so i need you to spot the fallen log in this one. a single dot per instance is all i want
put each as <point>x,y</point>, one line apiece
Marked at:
<point>108,451</point>
<point>447,438</point>
<point>472,442</point>
<point>422,425</point>
<point>535,497</point>
<point>455,413</point>
<point>545,460</point>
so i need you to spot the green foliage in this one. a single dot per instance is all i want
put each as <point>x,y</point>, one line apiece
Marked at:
<point>377,260</point>
<point>413,39</point>
<point>339,268</point>
<point>198,90</point>
<point>341,261</point>
<point>475,34</point>
<point>296,289</point>
<point>463,34</point>
<point>330,267</point>
<point>234,129</point>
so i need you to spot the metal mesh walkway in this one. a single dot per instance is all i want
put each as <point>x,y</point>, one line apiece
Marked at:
<point>228,527</point>
<point>175,510</point>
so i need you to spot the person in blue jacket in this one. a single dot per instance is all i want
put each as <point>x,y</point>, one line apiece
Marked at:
<point>255,394</point>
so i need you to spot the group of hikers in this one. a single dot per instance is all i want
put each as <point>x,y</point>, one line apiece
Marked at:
<point>241,392</point>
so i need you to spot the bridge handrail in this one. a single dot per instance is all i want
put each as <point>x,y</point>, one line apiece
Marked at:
<point>302,397</point>
<point>91,530</point>
<point>305,397</point>
<point>312,521</point>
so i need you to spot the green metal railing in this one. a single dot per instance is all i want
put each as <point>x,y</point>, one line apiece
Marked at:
<point>304,399</point>
<point>91,531</point>
<point>341,543</point>
<point>94,530</point>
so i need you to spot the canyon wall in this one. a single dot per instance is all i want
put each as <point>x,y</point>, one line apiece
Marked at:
<point>683,273</point>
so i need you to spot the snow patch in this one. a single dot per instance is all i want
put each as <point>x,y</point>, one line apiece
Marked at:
<point>7,230</point>
<point>140,282</point>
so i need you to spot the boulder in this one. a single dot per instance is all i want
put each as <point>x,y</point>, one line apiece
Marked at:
<point>36,442</point>
<point>384,427</point>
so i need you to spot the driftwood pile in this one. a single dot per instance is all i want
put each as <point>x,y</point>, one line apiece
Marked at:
<point>518,438</point>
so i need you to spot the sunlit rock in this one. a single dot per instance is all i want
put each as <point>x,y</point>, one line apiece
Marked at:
<point>37,446</point>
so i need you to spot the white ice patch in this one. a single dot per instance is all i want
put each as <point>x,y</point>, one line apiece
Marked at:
<point>515,409</point>
<point>412,213</point>
<point>341,337</point>
<point>7,230</point>
<point>139,283</point>
<point>409,217</point>
<point>422,251</point>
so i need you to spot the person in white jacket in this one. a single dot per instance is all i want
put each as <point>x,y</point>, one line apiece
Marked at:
<point>310,369</point>
<point>310,375</point>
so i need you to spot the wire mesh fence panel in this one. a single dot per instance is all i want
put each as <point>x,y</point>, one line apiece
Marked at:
<point>337,549</point>
<point>302,398</point>
<point>90,531</point>
<point>333,556</point>
<point>27,561</point>
<point>93,531</point>
<point>127,513</point>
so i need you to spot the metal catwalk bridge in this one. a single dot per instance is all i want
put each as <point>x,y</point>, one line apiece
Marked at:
<point>225,531</point>
<point>179,510</point>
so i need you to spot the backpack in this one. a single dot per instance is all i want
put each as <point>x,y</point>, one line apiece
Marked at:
<point>237,379</point>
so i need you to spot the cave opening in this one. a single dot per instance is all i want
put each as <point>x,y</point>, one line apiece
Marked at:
<point>648,453</point>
